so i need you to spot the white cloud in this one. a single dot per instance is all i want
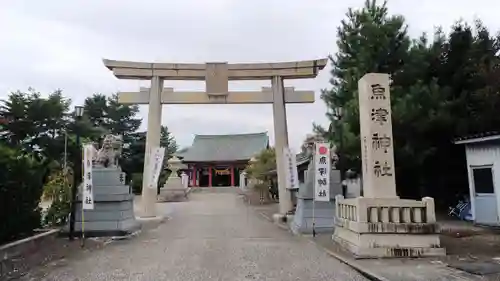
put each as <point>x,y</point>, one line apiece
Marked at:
<point>60,44</point>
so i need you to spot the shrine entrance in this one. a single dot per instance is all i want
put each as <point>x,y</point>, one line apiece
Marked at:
<point>204,178</point>
<point>213,176</point>
<point>216,77</point>
<point>222,176</point>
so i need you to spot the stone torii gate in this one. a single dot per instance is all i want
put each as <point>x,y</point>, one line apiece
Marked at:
<point>216,76</point>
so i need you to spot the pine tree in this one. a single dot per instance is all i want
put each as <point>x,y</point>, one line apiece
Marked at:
<point>368,40</point>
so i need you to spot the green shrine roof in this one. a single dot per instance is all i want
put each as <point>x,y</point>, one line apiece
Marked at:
<point>211,148</point>
<point>180,153</point>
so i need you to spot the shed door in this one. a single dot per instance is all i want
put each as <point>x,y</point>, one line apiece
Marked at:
<point>484,195</point>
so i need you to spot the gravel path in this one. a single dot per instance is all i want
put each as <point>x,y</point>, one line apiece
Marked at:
<point>210,237</point>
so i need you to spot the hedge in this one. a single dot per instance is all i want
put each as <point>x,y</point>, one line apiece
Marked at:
<point>21,187</point>
<point>137,181</point>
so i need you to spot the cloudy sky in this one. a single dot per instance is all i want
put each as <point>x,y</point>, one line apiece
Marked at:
<point>60,44</point>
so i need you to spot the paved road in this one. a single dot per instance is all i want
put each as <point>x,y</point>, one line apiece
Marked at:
<point>211,237</point>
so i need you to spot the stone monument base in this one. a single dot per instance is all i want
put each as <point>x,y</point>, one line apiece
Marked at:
<point>324,212</point>
<point>323,217</point>
<point>113,213</point>
<point>107,219</point>
<point>385,228</point>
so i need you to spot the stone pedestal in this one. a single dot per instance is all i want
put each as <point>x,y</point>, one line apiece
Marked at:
<point>380,227</point>
<point>173,189</point>
<point>113,213</point>
<point>324,212</point>
<point>381,224</point>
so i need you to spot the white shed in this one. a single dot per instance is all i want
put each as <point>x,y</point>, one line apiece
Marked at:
<point>483,167</point>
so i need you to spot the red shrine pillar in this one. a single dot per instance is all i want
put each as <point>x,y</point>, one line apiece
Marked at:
<point>194,176</point>
<point>232,175</point>
<point>210,176</point>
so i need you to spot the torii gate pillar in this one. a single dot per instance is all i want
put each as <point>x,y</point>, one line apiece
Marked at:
<point>153,134</point>
<point>281,141</point>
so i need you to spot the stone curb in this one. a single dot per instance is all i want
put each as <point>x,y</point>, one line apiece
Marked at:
<point>282,226</point>
<point>265,216</point>
<point>148,223</point>
<point>350,262</point>
<point>29,239</point>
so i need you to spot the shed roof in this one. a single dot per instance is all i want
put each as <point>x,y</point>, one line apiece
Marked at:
<point>480,137</point>
<point>211,148</point>
<point>301,160</point>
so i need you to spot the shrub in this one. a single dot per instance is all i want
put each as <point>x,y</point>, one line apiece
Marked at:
<point>137,183</point>
<point>163,178</point>
<point>58,190</point>
<point>21,186</point>
<point>264,162</point>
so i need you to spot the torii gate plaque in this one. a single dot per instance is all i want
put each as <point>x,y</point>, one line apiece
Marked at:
<point>216,76</point>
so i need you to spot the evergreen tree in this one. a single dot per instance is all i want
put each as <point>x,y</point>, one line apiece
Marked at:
<point>369,40</point>
<point>113,117</point>
<point>439,90</point>
<point>133,154</point>
<point>121,119</point>
<point>34,123</point>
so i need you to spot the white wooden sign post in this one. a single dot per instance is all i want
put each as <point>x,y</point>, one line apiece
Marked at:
<point>87,187</point>
<point>184,180</point>
<point>88,192</point>
<point>292,176</point>
<point>322,170</point>
<point>156,165</point>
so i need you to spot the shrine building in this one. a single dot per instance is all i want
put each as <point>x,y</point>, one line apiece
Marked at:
<point>218,160</point>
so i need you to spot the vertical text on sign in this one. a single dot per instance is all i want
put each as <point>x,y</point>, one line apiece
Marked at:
<point>158,153</point>
<point>381,142</point>
<point>291,169</point>
<point>87,187</point>
<point>322,172</point>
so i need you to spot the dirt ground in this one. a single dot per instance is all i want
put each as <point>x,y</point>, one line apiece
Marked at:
<point>54,252</point>
<point>462,240</point>
<point>255,198</point>
<point>471,243</point>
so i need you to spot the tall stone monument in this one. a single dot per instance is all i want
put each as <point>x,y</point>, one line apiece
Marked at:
<point>113,213</point>
<point>380,224</point>
<point>303,219</point>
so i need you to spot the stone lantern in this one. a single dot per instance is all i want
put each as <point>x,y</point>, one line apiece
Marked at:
<point>174,165</point>
<point>173,185</point>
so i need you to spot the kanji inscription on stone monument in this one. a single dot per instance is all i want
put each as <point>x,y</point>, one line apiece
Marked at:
<point>376,125</point>
<point>381,142</point>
